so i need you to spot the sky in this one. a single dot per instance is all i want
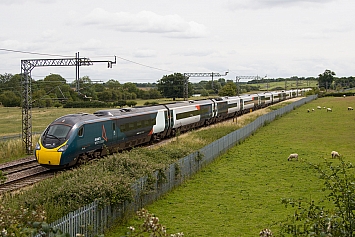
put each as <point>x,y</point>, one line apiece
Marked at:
<point>150,39</point>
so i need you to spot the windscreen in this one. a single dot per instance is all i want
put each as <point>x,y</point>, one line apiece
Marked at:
<point>59,131</point>
<point>55,135</point>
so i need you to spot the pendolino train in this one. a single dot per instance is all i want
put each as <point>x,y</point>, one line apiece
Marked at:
<point>76,137</point>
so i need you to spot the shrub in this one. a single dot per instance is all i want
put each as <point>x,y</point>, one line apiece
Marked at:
<point>312,219</point>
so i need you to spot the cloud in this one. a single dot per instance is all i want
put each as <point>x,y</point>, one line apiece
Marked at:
<point>145,53</point>
<point>197,52</point>
<point>259,4</point>
<point>21,2</point>
<point>147,22</point>
<point>92,44</point>
<point>15,44</point>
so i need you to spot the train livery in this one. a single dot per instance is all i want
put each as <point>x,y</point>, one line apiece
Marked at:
<point>76,137</point>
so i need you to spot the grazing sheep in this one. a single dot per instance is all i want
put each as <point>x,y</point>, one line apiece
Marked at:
<point>318,107</point>
<point>329,110</point>
<point>265,233</point>
<point>324,107</point>
<point>335,154</point>
<point>312,110</point>
<point>350,108</point>
<point>307,110</point>
<point>292,156</point>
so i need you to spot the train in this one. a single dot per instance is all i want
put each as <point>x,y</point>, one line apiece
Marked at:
<point>76,138</point>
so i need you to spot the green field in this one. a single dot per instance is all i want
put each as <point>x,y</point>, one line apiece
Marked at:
<point>287,85</point>
<point>240,193</point>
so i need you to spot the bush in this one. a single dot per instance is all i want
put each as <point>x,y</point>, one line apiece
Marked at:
<point>151,103</point>
<point>311,219</point>
<point>87,104</point>
<point>131,103</point>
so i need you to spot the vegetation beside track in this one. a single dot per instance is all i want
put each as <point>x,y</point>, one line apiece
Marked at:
<point>241,193</point>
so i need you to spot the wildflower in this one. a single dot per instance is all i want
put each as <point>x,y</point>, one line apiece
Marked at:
<point>4,232</point>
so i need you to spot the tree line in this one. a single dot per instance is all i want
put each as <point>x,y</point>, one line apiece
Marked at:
<point>54,90</point>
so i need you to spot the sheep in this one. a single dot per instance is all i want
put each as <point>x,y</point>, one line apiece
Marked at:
<point>350,108</point>
<point>312,110</point>
<point>329,110</point>
<point>307,110</point>
<point>335,154</point>
<point>323,107</point>
<point>319,107</point>
<point>265,233</point>
<point>292,156</point>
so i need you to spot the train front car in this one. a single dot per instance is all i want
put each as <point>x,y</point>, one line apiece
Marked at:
<point>55,146</point>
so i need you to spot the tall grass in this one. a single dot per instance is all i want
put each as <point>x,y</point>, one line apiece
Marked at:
<point>13,149</point>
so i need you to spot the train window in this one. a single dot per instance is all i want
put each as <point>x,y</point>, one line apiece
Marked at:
<point>139,124</point>
<point>81,132</point>
<point>130,126</point>
<point>113,126</point>
<point>123,127</point>
<point>58,130</point>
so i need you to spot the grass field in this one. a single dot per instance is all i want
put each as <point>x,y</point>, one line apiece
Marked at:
<point>240,193</point>
<point>288,85</point>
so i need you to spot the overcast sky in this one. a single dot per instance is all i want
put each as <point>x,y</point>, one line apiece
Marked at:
<point>153,38</point>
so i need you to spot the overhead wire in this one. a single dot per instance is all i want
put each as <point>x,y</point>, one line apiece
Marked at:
<point>46,54</point>
<point>27,52</point>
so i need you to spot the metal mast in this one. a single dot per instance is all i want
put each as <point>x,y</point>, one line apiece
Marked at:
<point>26,68</point>
<point>198,74</point>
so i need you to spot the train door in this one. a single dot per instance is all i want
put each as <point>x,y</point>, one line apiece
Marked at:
<point>114,131</point>
<point>241,106</point>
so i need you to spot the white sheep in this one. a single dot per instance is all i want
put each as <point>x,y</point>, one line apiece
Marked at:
<point>319,107</point>
<point>350,108</point>
<point>292,156</point>
<point>312,110</point>
<point>335,154</point>
<point>329,110</point>
<point>307,110</point>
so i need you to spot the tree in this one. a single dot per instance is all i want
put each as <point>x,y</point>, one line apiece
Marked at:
<point>228,90</point>
<point>172,86</point>
<point>55,86</point>
<point>37,98</point>
<point>326,79</point>
<point>130,87</point>
<point>105,96</point>
<point>215,86</point>
<point>113,84</point>
<point>154,93</point>
<point>10,99</point>
<point>9,82</point>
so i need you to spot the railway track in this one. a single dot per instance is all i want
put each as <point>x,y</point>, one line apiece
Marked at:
<point>22,173</point>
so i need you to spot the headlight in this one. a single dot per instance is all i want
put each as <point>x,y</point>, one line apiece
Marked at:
<point>63,148</point>
<point>38,147</point>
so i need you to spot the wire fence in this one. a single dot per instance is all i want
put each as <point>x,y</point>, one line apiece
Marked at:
<point>93,219</point>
